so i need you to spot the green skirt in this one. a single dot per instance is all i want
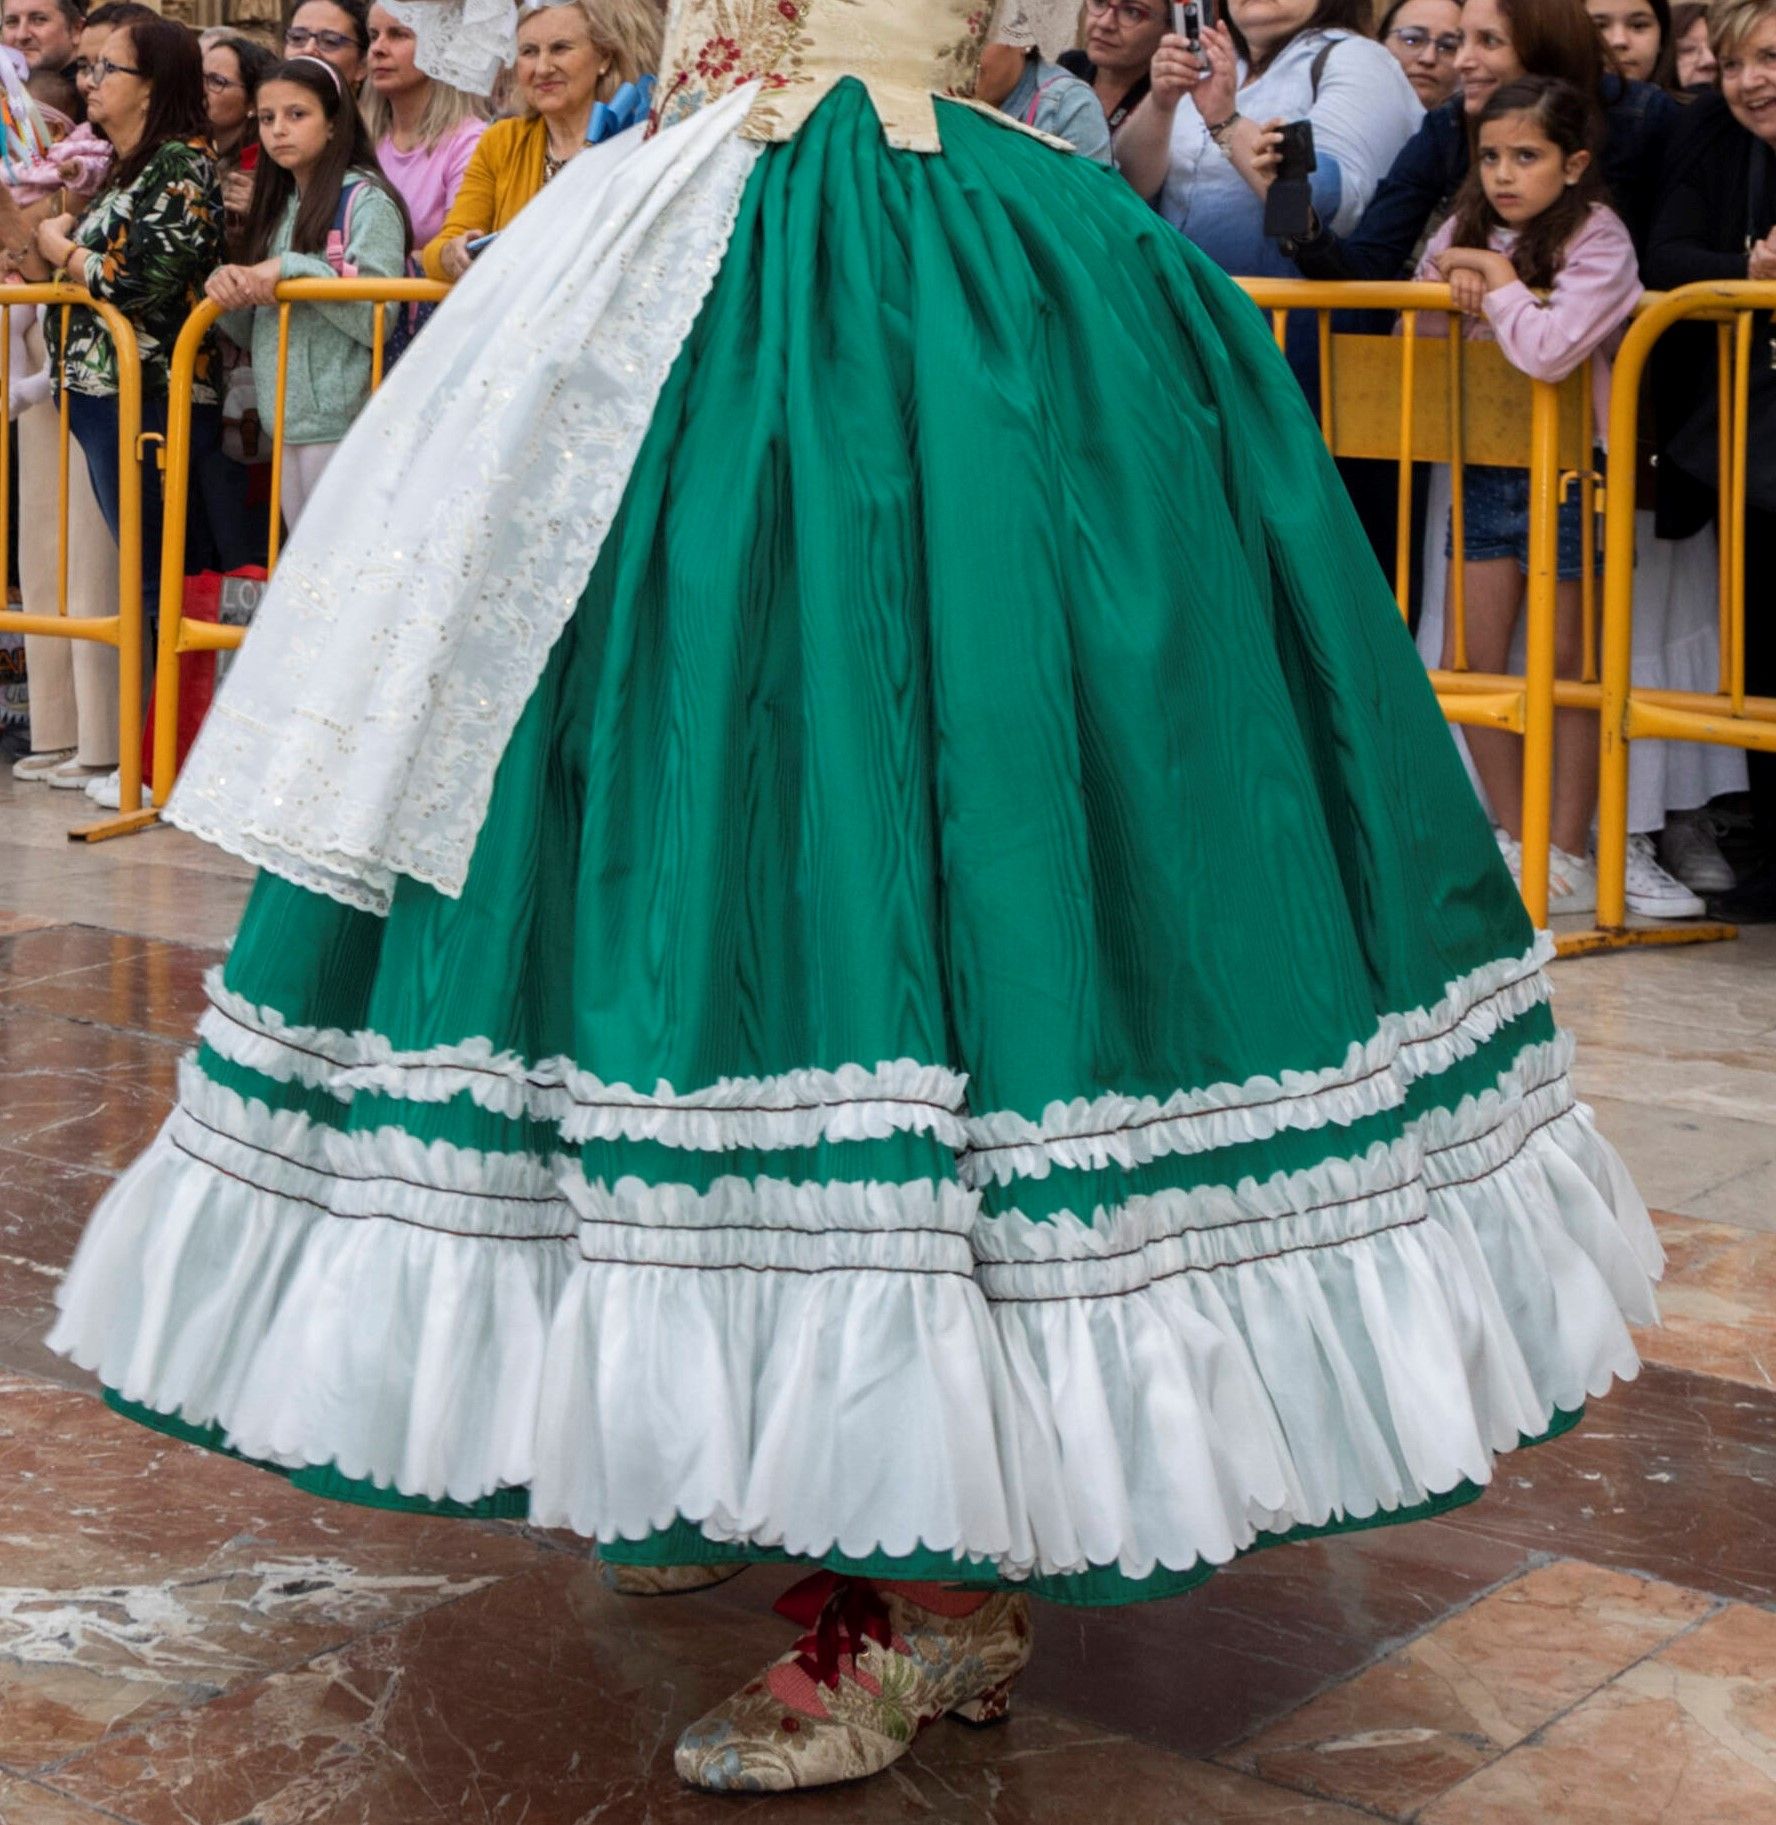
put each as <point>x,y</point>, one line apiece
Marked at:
<point>986,1035</point>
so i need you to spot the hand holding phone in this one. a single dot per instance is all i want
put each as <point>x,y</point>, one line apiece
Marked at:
<point>1288,204</point>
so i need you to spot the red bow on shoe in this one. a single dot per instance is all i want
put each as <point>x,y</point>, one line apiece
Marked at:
<point>842,1615</point>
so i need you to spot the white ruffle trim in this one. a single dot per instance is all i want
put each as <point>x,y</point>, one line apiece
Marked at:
<point>855,1102</point>
<point>793,1109</point>
<point>864,1367</point>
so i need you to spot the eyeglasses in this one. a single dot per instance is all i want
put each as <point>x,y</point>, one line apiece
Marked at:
<point>299,38</point>
<point>218,84</point>
<point>1134,17</point>
<point>105,69</point>
<point>1416,37</point>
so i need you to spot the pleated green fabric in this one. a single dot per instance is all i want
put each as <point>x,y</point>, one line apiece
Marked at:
<point>985,669</point>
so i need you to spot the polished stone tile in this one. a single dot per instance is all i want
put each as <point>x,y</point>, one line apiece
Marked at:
<point>79,1094</point>
<point>43,1208</point>
<point>148,895</point>
<point>1477,1684</point>
<point>1718,1302</point>
<point>1263,1634</point>
<point>1696,1070</point>
<point>1747,1200</point>
<point>139,1576</point>
<point>547,1699</point>
<point>27,1803</point>
<point>1672,1475</point>
<point>105,978</point>
<point>1729,987</point>
<point>1699,1165</point>
<point>1688,1737</point>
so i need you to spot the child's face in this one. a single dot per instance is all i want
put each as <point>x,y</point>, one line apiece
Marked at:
<point>293,126</point>
<point>1522,171</point>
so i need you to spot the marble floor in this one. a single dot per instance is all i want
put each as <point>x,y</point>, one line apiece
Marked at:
<point>184,1641</point>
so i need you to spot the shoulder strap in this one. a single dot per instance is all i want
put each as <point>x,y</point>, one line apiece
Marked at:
<point>1317,68</point>
<point>344,209</point>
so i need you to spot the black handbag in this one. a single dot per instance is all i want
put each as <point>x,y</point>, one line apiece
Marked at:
<point>1695,446</point>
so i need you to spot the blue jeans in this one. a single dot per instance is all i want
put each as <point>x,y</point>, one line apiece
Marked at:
<point>93,420</point>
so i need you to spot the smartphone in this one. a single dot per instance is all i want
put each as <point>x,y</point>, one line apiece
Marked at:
<point>1191,19</point>
<point>1288,207</point>
<point>480,243</point>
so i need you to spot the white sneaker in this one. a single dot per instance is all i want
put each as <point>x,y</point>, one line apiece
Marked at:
<point>1651,891</point>
<point>1511,850</point>
<point>1572,882</point>
<point>35,766</point>
<point>106,791</point>
<point>1689,849</point>
<point>71,776</point>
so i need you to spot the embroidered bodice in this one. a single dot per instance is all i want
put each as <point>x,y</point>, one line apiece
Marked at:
<point>903,51</point>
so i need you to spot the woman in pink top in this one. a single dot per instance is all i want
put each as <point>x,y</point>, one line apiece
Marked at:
<point>425,131</point>
<point>1535,261</point>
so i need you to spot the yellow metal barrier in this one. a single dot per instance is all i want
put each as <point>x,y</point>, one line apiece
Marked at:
<point>122,630</point>
<point>177,635</point>
<point>1409,399</point>
<point>1727,717</point>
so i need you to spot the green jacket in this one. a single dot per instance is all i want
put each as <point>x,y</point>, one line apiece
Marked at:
<point>328,378</point>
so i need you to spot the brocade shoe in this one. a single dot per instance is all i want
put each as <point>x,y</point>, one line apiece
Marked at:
<point>849,1698</point>
<point>665,1580</point>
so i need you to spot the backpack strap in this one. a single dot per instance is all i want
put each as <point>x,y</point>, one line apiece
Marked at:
<point>339,235</point>
<point>1317,68</point>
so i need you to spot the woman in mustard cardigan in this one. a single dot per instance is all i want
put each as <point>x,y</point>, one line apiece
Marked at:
<point>569,57</point>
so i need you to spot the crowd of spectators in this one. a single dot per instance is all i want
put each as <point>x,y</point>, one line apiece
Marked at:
<point>191,166</point>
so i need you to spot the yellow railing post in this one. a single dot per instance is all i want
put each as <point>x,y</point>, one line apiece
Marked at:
<point>122,630</point>
<point>1538,669</point>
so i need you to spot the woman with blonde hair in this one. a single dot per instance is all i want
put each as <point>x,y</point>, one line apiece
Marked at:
<point>424,130</point>
<point>571,56</point>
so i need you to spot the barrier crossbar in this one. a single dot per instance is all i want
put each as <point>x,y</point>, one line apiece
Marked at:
<point>178,635</point>
<point>122,630</point>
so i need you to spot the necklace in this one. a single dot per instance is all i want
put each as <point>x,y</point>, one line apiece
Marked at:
<point>552,162</point>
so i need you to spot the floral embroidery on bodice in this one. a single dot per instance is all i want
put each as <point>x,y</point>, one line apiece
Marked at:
<point>903,51</point>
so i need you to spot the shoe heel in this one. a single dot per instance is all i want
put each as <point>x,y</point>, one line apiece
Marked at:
<point>989,1707</point>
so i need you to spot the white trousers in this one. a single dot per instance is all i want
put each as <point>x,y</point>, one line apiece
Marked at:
<point>303,465</point>
<point>73,683</point>
<point>1676,648</point>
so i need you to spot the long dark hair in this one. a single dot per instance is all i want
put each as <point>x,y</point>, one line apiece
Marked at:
<point>1556,38</point>
<point>1329,16</point>
<point>172,66</point>
<point>350,150</point>
<point>1569,118</point>
<point>255,63</point>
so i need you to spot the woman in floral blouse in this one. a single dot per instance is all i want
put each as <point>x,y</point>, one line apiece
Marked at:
<point>145,245</point>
